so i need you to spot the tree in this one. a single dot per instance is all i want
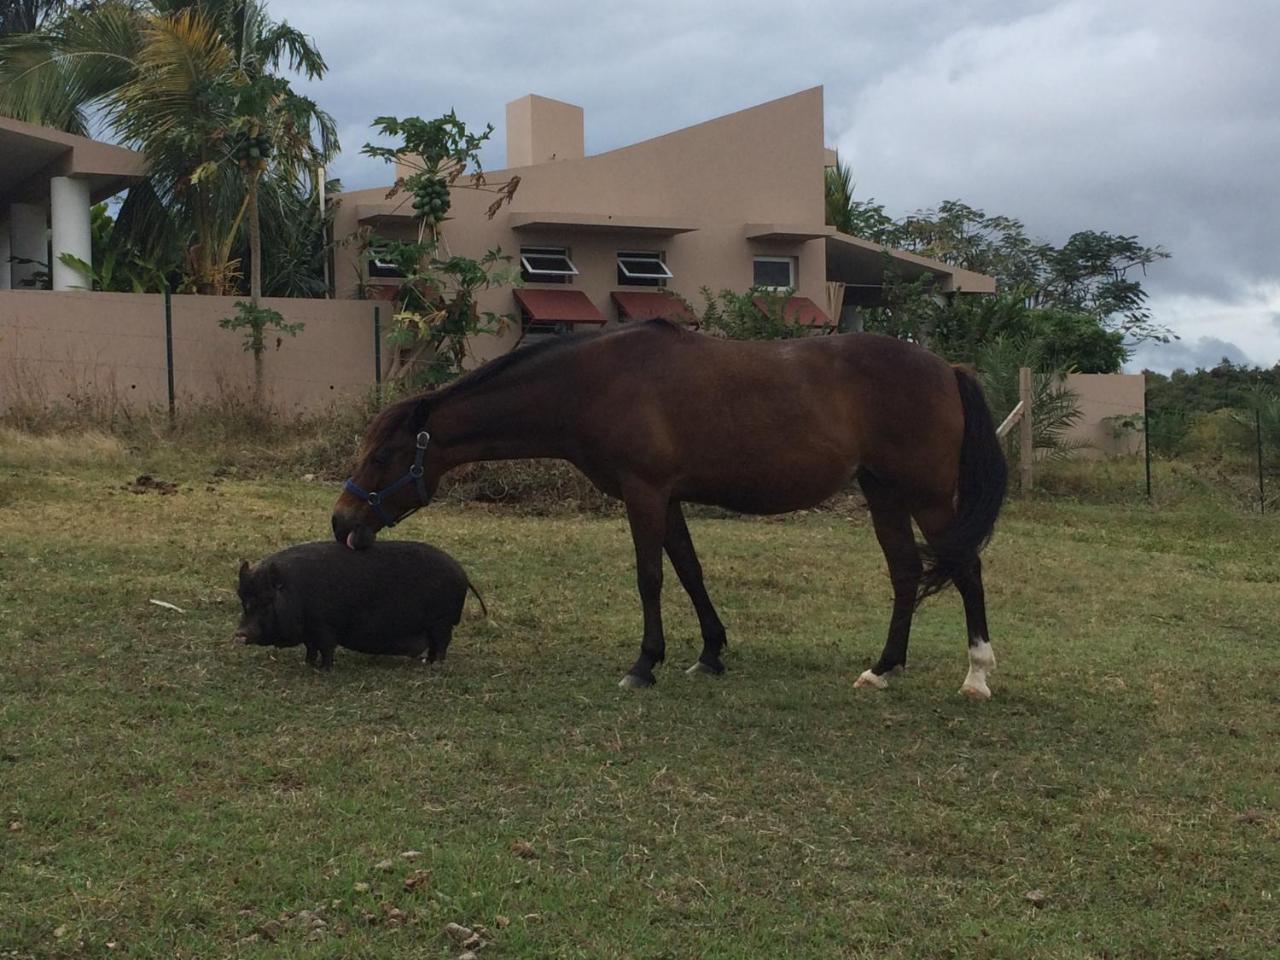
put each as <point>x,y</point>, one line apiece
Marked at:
<point>1095,307</point>
<point>181,81</point>
<point>27,16</point>
<point>436,301</point>
<point>858,218</point>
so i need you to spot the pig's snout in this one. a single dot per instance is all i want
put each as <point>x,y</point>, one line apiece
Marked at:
<point>240,637</point>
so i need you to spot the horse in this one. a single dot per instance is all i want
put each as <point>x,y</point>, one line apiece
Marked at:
<point>658,416</point>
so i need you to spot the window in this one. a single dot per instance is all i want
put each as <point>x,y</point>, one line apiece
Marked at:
<point>380,267</point>
<point>774,273</point>
<point>641,269</point>
<point>546,265</point>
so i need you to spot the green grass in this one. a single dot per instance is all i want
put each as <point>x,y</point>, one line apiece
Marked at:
<point>167,794</point>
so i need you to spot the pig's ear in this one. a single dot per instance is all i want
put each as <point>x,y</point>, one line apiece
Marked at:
<point>244,573</point>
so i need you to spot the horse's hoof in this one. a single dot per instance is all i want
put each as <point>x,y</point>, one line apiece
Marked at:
<point>701,667</point>
<point>633,682</point>
<point>869,679</point>
<point>975,692</point>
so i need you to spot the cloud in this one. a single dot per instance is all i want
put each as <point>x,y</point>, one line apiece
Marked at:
<point>1205,352</point>
<point>1153,117</point>
<point>1147,119</point>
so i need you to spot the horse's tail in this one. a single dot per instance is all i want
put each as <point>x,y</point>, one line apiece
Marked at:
<point>980,493</point>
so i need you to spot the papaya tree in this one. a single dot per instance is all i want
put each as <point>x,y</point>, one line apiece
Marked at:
<point>436,310</point>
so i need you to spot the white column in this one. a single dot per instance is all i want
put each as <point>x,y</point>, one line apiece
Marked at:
<point>69,217</point>
<point>28,236</point>
<point>4,253</point>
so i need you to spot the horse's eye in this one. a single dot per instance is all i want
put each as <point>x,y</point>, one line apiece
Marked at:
<point>381,458</point>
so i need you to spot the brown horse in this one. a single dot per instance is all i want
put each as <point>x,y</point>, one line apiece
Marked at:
<point>657,415</point>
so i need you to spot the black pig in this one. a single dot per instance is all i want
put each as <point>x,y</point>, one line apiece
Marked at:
<point>394,598</point>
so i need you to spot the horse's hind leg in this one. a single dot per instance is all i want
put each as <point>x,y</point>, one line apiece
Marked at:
<point>892,522</point>
<point>982,660</point>
<point>679,547</point>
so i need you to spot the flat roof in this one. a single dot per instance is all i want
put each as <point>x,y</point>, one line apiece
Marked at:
<point>30,154</point>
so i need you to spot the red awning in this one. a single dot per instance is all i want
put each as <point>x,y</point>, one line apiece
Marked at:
<point>652,305</point>
<point>558,306</point>
<point>799,310</point>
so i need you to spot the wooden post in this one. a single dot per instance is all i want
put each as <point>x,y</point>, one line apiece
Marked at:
<point>1025,437</point>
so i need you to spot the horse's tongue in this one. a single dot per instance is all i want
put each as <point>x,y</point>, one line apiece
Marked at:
<point>351,540</point>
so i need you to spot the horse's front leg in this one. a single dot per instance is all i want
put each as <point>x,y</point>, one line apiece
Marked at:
<point>647,514</point>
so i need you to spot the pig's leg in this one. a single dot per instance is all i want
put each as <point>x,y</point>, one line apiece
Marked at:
<point>438,637</point>
<point>312,652</point>
<point>326,645</point>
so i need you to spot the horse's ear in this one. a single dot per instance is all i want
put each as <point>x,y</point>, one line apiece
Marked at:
<point>418,419</point>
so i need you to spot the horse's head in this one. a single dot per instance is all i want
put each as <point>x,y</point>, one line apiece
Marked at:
<point>396,471</point>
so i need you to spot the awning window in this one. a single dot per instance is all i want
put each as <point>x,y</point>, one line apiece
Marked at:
<point>798,310</point>
<point>637,305</point>
<point>557,306</point>
<point>642,267</point>
<point>546,265</point>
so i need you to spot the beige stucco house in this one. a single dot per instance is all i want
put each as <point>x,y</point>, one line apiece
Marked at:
<point>733,203</point>
<point>48,181</point>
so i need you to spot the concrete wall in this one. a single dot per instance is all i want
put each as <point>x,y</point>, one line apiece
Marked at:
<point>59,347</point>
<point>67,347</point>
<point>1103,397</point>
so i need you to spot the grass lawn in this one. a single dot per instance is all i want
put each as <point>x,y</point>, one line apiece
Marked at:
<point>164,793</point>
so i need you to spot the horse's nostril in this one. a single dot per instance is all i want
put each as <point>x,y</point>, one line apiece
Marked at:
<point>337,534</point>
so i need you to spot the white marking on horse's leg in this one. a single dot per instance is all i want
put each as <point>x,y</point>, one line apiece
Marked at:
<point>869,679</point>
<point>982,661</point>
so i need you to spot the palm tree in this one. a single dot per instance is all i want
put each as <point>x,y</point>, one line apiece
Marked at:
<point>27,16</point>
<point>182,81</point>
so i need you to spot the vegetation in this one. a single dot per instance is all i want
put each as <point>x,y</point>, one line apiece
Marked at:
<point>189,84</point>
<point>167,793</point>
<point>1084,301</point>
<point>755,315</point>
<point>436,312</point>
<point>256,321</point>
<point>1216,413</point>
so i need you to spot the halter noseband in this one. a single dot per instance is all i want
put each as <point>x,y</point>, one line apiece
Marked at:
<point>375,498</point>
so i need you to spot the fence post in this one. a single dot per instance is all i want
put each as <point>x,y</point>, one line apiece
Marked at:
<point>168,346</point>
<point>1146,440</point>
<point>1262,491</point>
<point>1026,439</point>
<point>377,346</point>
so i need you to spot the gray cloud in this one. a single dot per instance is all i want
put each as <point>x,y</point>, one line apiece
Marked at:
<point>1206,352</point>
<point>1153,117</point>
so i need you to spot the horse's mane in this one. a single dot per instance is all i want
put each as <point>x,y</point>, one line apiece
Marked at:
<point>390,419</point>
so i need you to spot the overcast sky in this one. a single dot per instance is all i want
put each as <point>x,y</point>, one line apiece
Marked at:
<point>1159,118</point>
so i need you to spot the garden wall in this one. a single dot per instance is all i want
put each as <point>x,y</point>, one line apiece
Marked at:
<point>75,346</point>
<point>108,348</point>
<point>1107,402</point>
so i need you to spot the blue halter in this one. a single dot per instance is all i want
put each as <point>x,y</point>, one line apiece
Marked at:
<point>375,498</point>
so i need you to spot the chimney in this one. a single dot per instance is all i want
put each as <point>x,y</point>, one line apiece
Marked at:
<point>540,130</point>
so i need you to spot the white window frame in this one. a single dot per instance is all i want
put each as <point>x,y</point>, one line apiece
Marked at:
<point>792,269</point>
<point>534,275</point>
<point>654,257</point>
